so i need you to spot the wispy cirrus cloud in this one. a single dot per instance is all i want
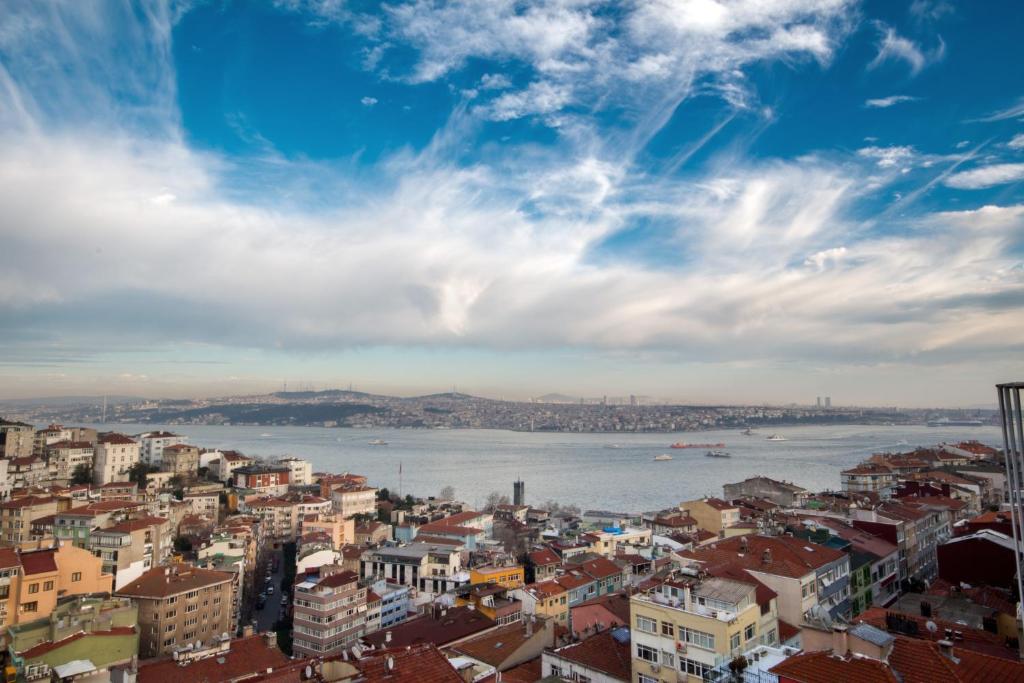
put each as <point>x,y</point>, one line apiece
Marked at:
<point>1014,111</point>
<point>894,47</point>
<point>891,100</point>
<point>986,176</point>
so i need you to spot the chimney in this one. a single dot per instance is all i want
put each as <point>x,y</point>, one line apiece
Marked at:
<point>247,630</point>
<point>529,627</point>
<point>271,640</point>
<point>840,641</point>
<point>387,637</point>
<point>766,557</point>
<point>946,648</point>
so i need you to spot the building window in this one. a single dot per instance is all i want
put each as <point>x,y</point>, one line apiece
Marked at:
<point>30,607</point>
<point>748,633</point>
<point>48,586</point>
<point>76,576</point>
<point>646,679</point>
<point>648,654</point>
<point>646,624</point>
<point>734,641</point>
<point>668,629</point>
<point>33,588</point>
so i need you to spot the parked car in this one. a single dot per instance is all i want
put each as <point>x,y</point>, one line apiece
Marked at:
<point>270,590</point>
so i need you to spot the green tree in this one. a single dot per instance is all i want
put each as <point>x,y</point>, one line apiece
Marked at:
<point>81,475</point>
<point>138,473</point>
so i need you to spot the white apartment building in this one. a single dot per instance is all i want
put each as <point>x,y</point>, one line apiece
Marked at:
<point>66,456</point>
<point>152,445</point>
<point>302,471</point>
<point>115,455</point>
<point>359,500</point>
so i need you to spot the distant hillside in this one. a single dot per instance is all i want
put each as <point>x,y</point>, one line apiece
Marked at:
<point>256,413</point>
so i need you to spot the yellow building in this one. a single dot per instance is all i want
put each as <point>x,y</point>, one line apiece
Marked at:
<point>546,598</point>
<point>685,627</point>
<point>713,514</point>
<point>37,572</point>
<point>508,577</point>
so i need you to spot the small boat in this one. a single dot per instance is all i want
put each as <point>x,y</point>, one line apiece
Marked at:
<point>776,437</point>
<point>747,432</point>
<point>680,444</point>
<point>612,445</point>
<point>717,454</point>
<point>265,435</point>
<point>662,458</point>
<point>377,442</point>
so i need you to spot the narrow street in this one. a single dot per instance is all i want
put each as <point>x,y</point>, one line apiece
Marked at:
<point>268,616</point>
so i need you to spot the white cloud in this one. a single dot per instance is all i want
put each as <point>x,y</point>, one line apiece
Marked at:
<point>1015,110</point>
<point>368,101</point>
<point>893,46</point>
<point>494,82</point>
<point>538,98</point>
<point>1016,142</point>
<point>885,102</point>
<point>888,157</point>
<point>986,176</point>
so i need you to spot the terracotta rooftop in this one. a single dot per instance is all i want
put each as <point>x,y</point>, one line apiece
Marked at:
<point>9,558</point>
<point>39,561</point>
<point>603,652</point>
<point>114,438</point>
<point>494,647</point>
<point>719,504</point>
<point>417,664</point>
<point>439,528</point>
<point>599,568</point>
<point>823,667</point>
<point>457,623</point>
<point>62,445</point>
<point>975,640</point>
<point>162,582</point>
<point>130,525</point>
<point>790,557</point>
<point>27,501</point>
<point>544,556</point>
<point>246,656</point>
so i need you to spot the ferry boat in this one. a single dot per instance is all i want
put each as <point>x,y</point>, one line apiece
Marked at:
<point>680,444</point>
<point>377,442</point>
<point>776,437</point>
<point>717,454</point>
<point>662,458</point>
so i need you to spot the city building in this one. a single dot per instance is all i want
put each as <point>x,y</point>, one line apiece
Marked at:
<point>784,493</point>
<point>132,547</point>
<point>431,569</point>
<point>97,630</point>
<point>301,471</point>
<point>509,645</point>
<point>508,577</point>
<point>225,465</point>
<point>269,480</point>
<point>687,626</point>
<point>152,445</point>
<point>65,457</point>
<point>602,658</point>
<point>115,456</point>
<point>984,558</point>
<point>181,459</point>
<point>712,514</point>
<point>329,612</point>
<point>354,500</point>
<point>16,439</point>
<point>36,573</point>
<point>223,659</point>
<point>16,516</point>
<point>179,605</point>
<point>27,472</point>
<point>868,476</point>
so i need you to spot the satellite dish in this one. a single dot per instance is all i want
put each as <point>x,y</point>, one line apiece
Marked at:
<point>309,671</point>
<point>391,663</point>
<point>931,626</point>
<point>199,644</point>
<point>174,655</point>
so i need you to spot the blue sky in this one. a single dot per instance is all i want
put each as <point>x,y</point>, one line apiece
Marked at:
<point>696,200</point>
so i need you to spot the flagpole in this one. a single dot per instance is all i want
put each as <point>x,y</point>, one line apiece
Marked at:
<point>399,479</point>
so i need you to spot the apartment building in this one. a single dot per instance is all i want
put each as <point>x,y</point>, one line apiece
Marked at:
<point>50,435</point>
<point>152,445</point>
<point>115,456</point>
<point>181,459</point>
<point>269,480</point>
<point>130,548</point>
<point>77,524</point>
<point>63,457</point>
<point>226,464</point>
<point>180,604</point>
<point>329,612</point>
<point>27,472</point>
<point>279,517</point>
<point>431,569</point>
<point>508,577</point>
<point>338,529</point>
<point>712,514</point>
<point>915,530</point>
<point>16,439</point>
<point>16,516</point>
<point>301,471</point>
<point>354,500</point>
<point>868,477</point>
<point>205,503</point>
<point>801,574</point>
<point>34,574</point>
<point>685,626</point>
<point>546,598</point>
<point>784,493</point>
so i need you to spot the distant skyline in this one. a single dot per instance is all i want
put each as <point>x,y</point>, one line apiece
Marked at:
<point>733,202</point>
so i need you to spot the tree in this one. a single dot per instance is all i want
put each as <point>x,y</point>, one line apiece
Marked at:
<point>82,475</point>
<point>448,493</point>
<point>138,473</point>
<point>383,494</point>
<point>493,500</point>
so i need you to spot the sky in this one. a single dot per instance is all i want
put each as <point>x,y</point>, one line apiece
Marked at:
<point>738,201</point>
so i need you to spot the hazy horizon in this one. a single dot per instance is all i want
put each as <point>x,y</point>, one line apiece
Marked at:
<point>704,201</point>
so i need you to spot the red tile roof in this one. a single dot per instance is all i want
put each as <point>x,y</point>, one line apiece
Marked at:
<point>601,652</point>
<point>790,557</point>
<point>544,556</point>
<point>975,640</point>
<point>114,437</point>
<point>246,656</point>
<point>417,664</point>
<point>39,562</point>
<point>162,582</point>
<point>457,623</point>
<point>494,647</point>
<point>823,667</point>
<point>787,631</point>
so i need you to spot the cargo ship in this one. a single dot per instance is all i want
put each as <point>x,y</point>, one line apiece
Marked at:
<point>680,444</point>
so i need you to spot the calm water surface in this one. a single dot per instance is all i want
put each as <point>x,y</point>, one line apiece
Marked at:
<point>580,469</point>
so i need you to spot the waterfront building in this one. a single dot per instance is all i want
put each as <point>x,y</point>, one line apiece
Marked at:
<point>301,471</point>
<point>152,445</point>
<point>115,456</point>
<point>329,611</point>
<point>784,493</point>
<point>712,514</point>
<point>431,569</point>
<point>181,459</point>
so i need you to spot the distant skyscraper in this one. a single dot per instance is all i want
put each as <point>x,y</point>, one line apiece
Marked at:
<point>819,401</point>
<point>633,401</point>
<point>828,401</point>
<point>519,492</point>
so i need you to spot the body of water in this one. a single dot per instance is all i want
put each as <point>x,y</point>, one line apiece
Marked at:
<point>598,471</point>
